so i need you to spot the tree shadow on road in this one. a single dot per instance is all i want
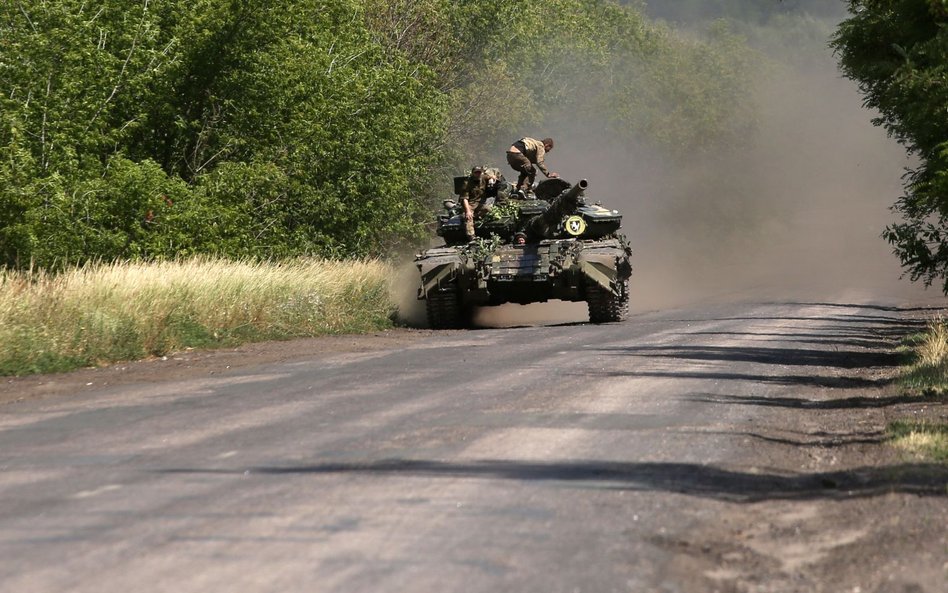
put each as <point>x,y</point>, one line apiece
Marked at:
<point>799,380</point>
<point>820,439</point>
<point>856,343</point>
<point>683,478</point>
<point>888,308</point>
<point>854,340</point>
<point>845,403</point>
<point>845,359</point>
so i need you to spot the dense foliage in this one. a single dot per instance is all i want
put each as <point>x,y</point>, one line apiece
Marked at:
<point>898,53</point>
<point>154,129</point>
<point>170,128</point>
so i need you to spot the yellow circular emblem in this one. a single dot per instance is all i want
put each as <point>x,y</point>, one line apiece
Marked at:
<point>575,225</point>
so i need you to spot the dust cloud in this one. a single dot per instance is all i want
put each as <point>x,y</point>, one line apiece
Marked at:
<point>404,289</point>
<point>794,213</point>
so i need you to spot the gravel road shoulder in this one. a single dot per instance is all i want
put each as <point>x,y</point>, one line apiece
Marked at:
<point>201,363</point>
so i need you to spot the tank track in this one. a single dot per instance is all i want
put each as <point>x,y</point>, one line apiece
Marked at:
<point>444,309</point>
<point>605,307</point>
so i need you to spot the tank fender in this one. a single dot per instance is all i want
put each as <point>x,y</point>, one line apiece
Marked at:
<point>437,270</point>
<point>437,267</point>
<point>608,268</point>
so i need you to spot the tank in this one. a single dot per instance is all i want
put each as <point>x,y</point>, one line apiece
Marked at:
<point>553,245</point>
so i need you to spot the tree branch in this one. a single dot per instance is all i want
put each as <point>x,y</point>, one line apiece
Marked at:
<point>128,58</point>
<point>26,16</point>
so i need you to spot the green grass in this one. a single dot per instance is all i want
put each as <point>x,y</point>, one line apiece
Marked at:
<point>111,312</point>
<point>925,375</point>
<point>928,440</point>
<point>927,372</point>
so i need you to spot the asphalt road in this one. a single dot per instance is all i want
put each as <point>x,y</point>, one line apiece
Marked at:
<point>731,448</point>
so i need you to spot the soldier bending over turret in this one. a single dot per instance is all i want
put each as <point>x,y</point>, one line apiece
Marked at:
<point>526,156</point>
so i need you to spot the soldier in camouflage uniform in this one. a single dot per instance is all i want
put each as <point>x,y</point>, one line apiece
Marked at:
<point>495,185</point>
<point>526,156</point>
<point>483,184</point>
<point>473,199</point>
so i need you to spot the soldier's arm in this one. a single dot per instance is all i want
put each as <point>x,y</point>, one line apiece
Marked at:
<point>541,165</point>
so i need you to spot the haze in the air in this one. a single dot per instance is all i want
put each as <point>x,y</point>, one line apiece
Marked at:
<point>792,212</point>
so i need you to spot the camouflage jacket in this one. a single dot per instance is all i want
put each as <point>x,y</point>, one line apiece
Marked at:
<point>473,190</point>
<point>535,153</point>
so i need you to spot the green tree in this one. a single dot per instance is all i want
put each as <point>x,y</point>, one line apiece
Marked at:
<point>71,81</point>
<point>275,128</point>
<point>594,62</point>
<point>332,131</point>
<point>153,129</point>
<point>898,54</point>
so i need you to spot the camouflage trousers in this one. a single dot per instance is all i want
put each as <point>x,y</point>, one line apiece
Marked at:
<point>521,164</point>
<point>479,208</point>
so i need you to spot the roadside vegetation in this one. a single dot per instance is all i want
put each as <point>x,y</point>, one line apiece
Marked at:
<point>124,311</point>
<point>927,375</point>
<point>189,137</point>
<point>269,129</point>
<point>896,52</point>
<point>924,439</point>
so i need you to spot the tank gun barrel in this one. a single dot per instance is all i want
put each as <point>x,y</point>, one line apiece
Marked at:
<point>566,202</point>
<point>574,193</point>
<point>542,226</point>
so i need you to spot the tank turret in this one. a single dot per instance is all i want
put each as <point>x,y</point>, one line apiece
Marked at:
<point>552,245</point>
<point>545,225</point>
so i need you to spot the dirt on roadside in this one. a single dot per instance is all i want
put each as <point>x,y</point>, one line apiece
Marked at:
<point>191,364</point>
<point>833,499</point>
<point>837,484</point>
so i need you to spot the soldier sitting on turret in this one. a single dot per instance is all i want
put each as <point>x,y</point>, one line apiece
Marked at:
<point>473,199</point>
<point>482,185</point>
<point>495,186</point>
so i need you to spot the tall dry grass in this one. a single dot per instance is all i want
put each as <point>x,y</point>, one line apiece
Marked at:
<point>928,375</point>
<point>929,371</point>
<point>110,312</point>
<point>928,440</point>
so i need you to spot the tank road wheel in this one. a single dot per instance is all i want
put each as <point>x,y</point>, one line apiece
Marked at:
<point>604,306</point>
<point>444,308</point>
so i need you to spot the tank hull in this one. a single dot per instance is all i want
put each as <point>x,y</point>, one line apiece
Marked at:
<point>455,279</point>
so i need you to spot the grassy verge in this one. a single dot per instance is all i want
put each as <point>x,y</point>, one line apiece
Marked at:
<point>925,439</point>
<point>927,375</point>
<point>105,313</point>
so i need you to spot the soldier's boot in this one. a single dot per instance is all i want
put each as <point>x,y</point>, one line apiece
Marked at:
<point>469,229</point>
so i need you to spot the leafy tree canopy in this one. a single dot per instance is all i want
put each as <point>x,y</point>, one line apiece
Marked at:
<point>898,54</point>
<point>252,128</point>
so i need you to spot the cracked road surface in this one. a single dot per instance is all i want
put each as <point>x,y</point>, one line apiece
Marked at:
<point>727,448</point>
